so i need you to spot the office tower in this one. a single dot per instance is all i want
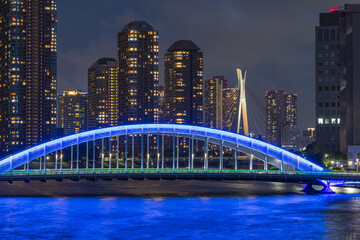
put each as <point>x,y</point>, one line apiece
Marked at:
<point>281,112</point>
<point>214,101</point>
<point>349,23</point>
<point>184,83</point>
<point>28,31</point>
<point>72,111</point>
<point>103,104</point>
<point>327,81</point>
<point>138,66</point>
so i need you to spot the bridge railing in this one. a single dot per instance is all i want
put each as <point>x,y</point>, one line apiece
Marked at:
<point>167,171</point>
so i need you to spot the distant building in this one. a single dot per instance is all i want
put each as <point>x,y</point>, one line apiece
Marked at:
<point>28,48</point>
<point>308,136</point>
<point>138,66</point>
<point>349,23</point>
<point>281,113</point>
<point>214,102</point>
<point>103,104</point>
<point>327,81</point>
<point>72,111</point>
<point>290,138</point>
<point>161,104</point>
<point>353,152</point>
<point>230,107</point>
<point>184,84</point>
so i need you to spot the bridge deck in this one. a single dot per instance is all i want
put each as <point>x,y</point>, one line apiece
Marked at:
<point>181,174</point>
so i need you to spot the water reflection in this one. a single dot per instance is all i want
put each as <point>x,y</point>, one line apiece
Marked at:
<point>266,217</point>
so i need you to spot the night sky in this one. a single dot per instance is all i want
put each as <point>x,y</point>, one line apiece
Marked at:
<point>273,40</point>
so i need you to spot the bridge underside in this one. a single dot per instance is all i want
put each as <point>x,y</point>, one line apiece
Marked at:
<point>326,180</point>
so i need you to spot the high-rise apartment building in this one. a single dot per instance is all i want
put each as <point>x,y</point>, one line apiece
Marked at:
<point>28,32</point>
<point>230,107</point>
<point>327,39</point>
<point>349,23</point>
<point>184,84</point>
<point>214,96</point>
<point>103,94</point>
<point>138,69</point>
<point>281,112</point>
<point>72,111</point>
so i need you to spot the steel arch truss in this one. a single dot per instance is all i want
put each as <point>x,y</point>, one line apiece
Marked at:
<point>253,147</point>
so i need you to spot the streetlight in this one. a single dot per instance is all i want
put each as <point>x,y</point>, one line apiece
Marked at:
<point>357,165</point>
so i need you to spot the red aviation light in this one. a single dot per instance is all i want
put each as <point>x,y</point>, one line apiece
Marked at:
<point>334,10</point>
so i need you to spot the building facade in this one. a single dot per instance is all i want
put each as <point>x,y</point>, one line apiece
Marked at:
<point>327,39</point>
<point>308,136</point>
<point>214,96</point>
<point>138,70</point>
<point>103,90</point>
<point>231,104</point>
<point>281,113</point>
<point>184,84</point>
<point>28,32</point>
<point>290,138</point>
<point>72,111</point>
<point>349,22</point>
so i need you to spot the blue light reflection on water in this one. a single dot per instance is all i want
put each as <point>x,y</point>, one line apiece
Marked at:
<point>270,217</point>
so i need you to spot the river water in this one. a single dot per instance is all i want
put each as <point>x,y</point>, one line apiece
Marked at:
<point>258,217</point>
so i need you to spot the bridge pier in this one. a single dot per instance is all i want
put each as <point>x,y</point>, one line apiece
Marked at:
<point>326,190</point>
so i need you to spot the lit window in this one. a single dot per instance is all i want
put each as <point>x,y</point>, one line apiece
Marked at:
<point>320,121</point>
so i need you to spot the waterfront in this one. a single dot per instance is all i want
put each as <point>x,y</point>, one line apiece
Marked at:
<point>256,217</point>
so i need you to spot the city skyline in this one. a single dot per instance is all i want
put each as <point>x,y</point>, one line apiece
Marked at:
<point>236,32</point>
<point>193,119</point>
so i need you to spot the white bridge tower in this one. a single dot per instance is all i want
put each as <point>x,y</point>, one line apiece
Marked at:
<point>242,103</point>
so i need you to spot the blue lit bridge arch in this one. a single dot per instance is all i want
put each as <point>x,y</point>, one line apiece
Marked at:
<point>160,134</point>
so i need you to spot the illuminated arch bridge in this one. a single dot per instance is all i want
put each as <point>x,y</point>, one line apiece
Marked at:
<point>127,147</point>
<point>166,151</point>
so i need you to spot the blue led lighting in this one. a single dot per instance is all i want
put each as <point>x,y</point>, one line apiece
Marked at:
<point>30,154</point>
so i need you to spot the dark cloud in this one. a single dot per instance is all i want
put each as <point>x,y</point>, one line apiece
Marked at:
<point>273,40</point>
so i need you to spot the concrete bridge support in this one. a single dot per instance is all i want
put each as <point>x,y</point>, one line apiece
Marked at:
<point>326,188</point>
